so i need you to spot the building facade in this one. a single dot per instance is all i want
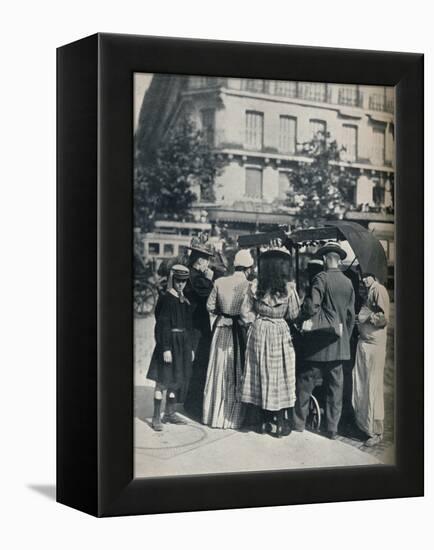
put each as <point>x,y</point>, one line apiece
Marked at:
<point>260,126</point>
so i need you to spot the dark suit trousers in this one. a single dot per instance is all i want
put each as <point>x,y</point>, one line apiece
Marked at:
<point>333,384</point>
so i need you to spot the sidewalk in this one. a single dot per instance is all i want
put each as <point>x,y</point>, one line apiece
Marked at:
<point>197,449</point>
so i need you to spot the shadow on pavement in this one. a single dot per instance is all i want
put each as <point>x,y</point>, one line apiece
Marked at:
<point>144,405</point>
<point>143,402</point>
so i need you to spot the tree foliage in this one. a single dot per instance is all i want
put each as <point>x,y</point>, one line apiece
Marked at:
<point>164,180</point>
<point>321,189</point>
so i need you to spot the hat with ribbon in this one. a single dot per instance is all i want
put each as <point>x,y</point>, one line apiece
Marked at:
<point>330,247</point>
<point>200,245</point>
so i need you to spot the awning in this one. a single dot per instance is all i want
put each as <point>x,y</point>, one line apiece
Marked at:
<point>369,216</point>
<point>237,216</point>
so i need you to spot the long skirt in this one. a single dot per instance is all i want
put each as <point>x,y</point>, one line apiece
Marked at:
<point>193,403</point>
<point>368,387</point>
<point>222,407</point>
<point>269,376</point>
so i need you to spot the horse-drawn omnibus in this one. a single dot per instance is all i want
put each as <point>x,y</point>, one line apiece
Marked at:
<point>170,239</point>
<point>167,241</point>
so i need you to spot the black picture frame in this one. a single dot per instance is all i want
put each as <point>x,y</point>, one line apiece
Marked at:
<point>94,259</point>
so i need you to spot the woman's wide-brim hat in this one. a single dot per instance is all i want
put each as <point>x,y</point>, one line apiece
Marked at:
<point>200,247</point>
<point>331,247</point>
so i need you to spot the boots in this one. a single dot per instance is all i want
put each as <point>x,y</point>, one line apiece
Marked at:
<point>156,420</point>
<point>170,416</point>
<point>287,422</point>
<point>265,425</point>
<point>283,427</point>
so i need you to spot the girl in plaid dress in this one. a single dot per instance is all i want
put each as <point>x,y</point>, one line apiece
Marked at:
<point>269,376</point>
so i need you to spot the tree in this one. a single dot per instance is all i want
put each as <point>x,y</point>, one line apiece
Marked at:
<point>321,189</point>
<point>163,180</point>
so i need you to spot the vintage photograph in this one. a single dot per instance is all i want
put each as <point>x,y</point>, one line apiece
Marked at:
<point>263,275</point>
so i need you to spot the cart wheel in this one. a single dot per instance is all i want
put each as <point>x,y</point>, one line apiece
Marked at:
<point>314,416</point>
<point>145,299</point>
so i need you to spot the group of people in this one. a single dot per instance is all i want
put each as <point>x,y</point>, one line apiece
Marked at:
<point>261,359</point>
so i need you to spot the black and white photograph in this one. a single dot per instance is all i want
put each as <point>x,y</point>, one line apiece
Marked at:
<point>217,221</point>
<point>264,249</point>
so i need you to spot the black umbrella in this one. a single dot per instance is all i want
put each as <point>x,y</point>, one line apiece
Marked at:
<point>366,247</point>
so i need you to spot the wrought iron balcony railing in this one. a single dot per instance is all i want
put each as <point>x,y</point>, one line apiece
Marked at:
<point>378,102</point>
<point>350,96</point>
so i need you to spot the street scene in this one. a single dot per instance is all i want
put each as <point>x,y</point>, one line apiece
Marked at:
<point>264,275</point>
<point>195,448</point>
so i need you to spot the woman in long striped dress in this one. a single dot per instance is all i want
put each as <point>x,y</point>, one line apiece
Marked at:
<point>269,376</point>
<point>222,406</point>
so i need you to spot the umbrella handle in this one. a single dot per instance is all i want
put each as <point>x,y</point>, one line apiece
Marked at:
<point>354,259</point>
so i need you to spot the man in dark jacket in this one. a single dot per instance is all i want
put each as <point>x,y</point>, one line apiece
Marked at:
<point>329,314</point>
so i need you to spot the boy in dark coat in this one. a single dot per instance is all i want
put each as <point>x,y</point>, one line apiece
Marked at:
<point>172,358</point>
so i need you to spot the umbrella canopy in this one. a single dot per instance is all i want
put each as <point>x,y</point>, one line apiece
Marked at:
<point>367,248</point>
<point>363,245</point>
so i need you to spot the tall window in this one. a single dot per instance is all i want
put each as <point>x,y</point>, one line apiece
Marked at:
<point>390,99</point>
<point>377,101</point>
<point>284,184</point>
<point>169,249</point>
<point>349,95</point>
<point>378,146</point>
<point>253,85</point>
<point>313,91</point>
<point>286,89</point>
<point>349,141</point>
<point>254,130</point>
<point>378,192</point>
<point>317,126</point>
<point>254,183</point>
<point>288,134</point>
<point>208,125</point>
<point>154,249</point>
<point>383,100</point>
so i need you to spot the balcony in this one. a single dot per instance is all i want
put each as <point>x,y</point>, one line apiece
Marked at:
<point>310,91</point>
<point>351,97</point>
<point>318,92</point>
<point>378,102</point>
